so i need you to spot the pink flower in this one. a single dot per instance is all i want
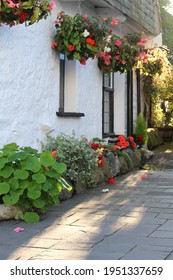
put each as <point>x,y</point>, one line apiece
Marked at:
<point>144,176</point>
<point>142,41</point>
<point>54,44</point>
<point>123,61</point>
<point>85,16</point>
<point>118,43</point>
<point>18,229</point>
<point>117,57</point>
<point>114,22</point>
<point>51,6</point>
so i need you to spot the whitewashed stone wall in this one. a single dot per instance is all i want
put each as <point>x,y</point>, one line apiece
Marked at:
<point>29,88</point>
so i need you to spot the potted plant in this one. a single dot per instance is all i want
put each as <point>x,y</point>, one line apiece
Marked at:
<point>81,37</point>
<point>13,12</point>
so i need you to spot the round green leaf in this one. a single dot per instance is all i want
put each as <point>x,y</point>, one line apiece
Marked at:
<point>4,188</point>
<point>34,194</point>
<point>47,159</point>
<point>31,217</point>
<point>11,199</point>
<point>3,161</point>
<point>31,163</point>
<point>39,178</point>
<point>6,171</point>
<point>14,184</point>
<point>21,174</point>
<point>13,156</point>
<point>60,167</point>
<point>38,203</point>
<point>47,186</point>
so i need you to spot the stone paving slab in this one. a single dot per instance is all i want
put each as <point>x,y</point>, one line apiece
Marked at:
<point>133,220</point>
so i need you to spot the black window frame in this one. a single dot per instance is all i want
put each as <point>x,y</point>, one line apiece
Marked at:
<point>110,90</point>
<point>61,112</point>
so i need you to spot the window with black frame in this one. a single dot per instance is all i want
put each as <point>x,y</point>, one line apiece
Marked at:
<point>108,104</point>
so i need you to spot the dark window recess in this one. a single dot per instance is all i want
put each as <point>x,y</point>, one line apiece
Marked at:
<point>61,112</point>
<point>130,103</point>
<point>108,105</point>
<point>138,91</point>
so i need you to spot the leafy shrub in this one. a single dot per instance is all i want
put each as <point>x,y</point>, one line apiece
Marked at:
<point>78,156</point>
<point>141,130</point>
<point>30,179</point>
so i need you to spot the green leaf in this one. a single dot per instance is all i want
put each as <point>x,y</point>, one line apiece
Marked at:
<point>31,163</point>
<point>30,150</point>
<point>21,174</point>
<point>19,215</point>
<point>11,199</point>
<point>39,178</point>
<point>63,183</point>
<point>56,200</point>
<point>35,15</point>
<point>31,217</point>
<point>47,159</point>
<point>27,4</point>
<point>14,184</point>
<point>13,156</point>
<point>3,161</point>
<point>60,167</point>
<point>4,188</point>
<point>47,186</point>
<point>6,171</point>
<point>38,203</point>
<point>34,191</point>
<point>24,184</point>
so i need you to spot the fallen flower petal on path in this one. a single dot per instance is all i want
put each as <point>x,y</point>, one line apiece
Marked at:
<point>144,176</point>
<point>18,229</point>
<point>105,190</point>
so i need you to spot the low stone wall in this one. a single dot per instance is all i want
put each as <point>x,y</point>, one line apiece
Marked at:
<point>155,138</point>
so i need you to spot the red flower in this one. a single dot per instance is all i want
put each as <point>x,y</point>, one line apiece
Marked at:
<point>111,181</point>
<point>23,15</point>
<point>90,41</point>
<point>100,163</point>
<point>101,157</point>
<point>71,47</point>
<point>94,146</point>
<point>54,45</point>
<point>83,61</point>
<point>131,139</point>
<point>140,138</point>
<point>54,153</point>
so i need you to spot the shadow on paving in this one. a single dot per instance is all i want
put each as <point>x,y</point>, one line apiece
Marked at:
<point>132,219</point>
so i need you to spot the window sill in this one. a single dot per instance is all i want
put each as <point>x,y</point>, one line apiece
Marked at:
<point>70,114</point>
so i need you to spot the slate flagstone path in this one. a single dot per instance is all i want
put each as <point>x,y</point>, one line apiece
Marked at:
<point>131,221</point>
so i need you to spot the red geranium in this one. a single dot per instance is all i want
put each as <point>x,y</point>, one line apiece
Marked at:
<point>140,138</point>
<point>23,15</point>
<point>111,181</point>
<point>71,47</point>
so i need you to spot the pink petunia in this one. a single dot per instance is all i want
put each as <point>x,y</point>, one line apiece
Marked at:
<point>144,176</point>
<point>118,43</point>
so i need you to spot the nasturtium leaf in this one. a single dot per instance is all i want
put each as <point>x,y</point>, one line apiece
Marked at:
<point>35,15</point>
<point>31,163</point>
<point>14,184</point>
<point>60,167</point>
<point>24,184</point>
<point>6,171</point>
<point>34,194</point>
<point>34,191</point>
<point>3,161</point>
<point>47,159</point>
<point>4,188</point>
<point>56,200</point>
<point>38,203</point>
<point>11,199</point>
<point>39,178</point>
<point>46,186</point>
<point>21,174</point>
<point>31,217</point>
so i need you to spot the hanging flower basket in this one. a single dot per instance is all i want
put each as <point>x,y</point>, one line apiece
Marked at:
<point>13,12</point>
<point>121,54</point>
<point>81,37</point>
<point>153,61</point>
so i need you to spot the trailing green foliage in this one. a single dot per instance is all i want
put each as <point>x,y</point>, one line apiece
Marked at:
<point>78,156</point>
<point>30,180</point>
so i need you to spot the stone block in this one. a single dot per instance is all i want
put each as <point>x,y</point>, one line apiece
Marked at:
<point>123,165</point>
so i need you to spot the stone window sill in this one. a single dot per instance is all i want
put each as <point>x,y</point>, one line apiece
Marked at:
<point>70,114</point>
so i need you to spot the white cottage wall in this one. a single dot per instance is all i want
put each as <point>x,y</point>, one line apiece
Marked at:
<point>29,88</point>
<point>120,96</point>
